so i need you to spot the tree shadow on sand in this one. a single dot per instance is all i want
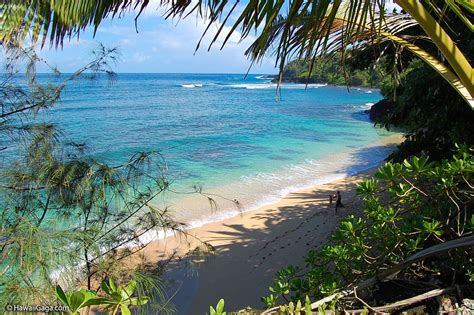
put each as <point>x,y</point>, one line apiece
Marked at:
<point>246,257</point>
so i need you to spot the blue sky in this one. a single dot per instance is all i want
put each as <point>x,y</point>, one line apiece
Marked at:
<point>160,46</point>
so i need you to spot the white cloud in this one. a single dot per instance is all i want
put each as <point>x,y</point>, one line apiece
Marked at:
<point>116,30</point>
<point>196,25</point>
<point>161,46</point>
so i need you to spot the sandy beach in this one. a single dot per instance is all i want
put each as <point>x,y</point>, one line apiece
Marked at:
<point>251,247</point>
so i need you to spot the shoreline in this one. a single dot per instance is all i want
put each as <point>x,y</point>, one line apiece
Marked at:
<point>251,247</point>
<point>226,210</point>
<point>299,80</point>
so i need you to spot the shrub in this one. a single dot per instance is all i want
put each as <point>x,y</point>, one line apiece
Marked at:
<point>409,206</point>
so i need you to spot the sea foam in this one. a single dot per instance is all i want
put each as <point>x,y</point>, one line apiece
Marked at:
<point>191,86</point>
<point>261,189</point>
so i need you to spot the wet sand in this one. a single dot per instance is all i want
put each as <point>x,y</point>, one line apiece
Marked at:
<point>251,247</point>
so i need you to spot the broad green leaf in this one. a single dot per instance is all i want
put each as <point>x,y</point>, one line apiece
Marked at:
<point>76,299</point>
<point>96,301</point>
<point>61,296</point>
<point>307,306</point>
<point>116,296</point>
<point>220,306</point>
<point>139,301</point>
<point>112,285</point>
<point>125,310</point>
<point>105,287</point>
<point>129,289</point>
<point>88,294</point>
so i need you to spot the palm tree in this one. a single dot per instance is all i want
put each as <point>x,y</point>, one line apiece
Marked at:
<point>287,29</point>
<point>456,59</point>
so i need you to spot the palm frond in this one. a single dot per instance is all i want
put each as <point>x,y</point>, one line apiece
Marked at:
<point>305,28</point>
<point>458,61</point>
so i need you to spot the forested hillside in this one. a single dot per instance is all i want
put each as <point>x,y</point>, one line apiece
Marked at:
<point>328,69</point>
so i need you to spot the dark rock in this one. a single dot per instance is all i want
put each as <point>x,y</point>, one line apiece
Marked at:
<point>381,109</point>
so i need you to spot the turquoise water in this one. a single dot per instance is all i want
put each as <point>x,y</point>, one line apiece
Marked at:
<point>226,133</point>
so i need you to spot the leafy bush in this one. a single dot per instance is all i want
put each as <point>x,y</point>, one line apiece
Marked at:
<point>431,113</point>
<point>409,206</point>
<point>112,298</point>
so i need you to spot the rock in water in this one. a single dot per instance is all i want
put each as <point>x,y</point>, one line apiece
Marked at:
<point>380,109</point>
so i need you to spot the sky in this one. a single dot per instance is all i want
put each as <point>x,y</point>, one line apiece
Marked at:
<point>160,46</point>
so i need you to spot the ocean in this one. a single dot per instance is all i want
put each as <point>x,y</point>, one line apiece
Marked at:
<point>225,133</point>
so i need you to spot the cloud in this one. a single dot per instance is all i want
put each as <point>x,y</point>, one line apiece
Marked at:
<point>160,46</point>
<point>116,30</point>
<point>164,45</point>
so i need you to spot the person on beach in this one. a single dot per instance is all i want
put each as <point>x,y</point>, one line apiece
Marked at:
<point>331,198</point>
<point>338,201</point>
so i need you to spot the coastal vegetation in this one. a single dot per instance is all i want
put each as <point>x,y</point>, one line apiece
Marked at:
<point>412,207</point>
<point>67,218</point>
<point>113,298</point>
<point>328,69</point>
<point>417,223</point>
<point>431,114</point>
<point>398,222</point>
<point>303,29</point>
<point>422,103</point>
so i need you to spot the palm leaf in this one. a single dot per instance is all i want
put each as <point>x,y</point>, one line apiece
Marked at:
<point>303,28</point>
<point>443,41</point>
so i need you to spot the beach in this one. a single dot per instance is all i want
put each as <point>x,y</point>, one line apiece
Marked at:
<point>144,171</point>
<point>226,134</point>
<point>250,248</point>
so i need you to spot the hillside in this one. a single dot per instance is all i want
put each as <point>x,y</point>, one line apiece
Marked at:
<point>327,69</point>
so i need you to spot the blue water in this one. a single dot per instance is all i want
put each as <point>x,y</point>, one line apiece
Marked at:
<point>224,132</point>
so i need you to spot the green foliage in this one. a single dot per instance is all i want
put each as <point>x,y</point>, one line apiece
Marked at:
<point>433,116</point>
<point>75,300</point>
<point>409,206</point>
<point>303,29</point>
<point>329,69</point>
<point>219,310</point>
<point>296,308</point>
<point>387,87</point>
<point>113,298</point>
<point>64,216</point>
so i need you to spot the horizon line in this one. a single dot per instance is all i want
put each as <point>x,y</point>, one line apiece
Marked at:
<point>240,73</point>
